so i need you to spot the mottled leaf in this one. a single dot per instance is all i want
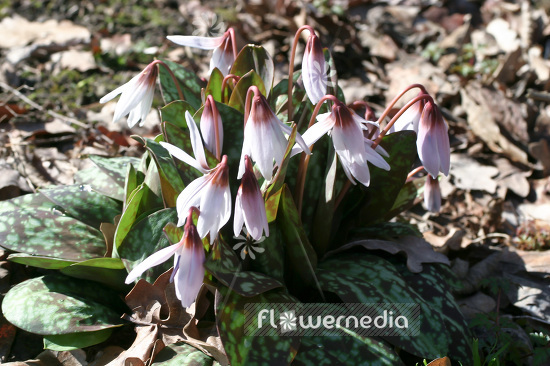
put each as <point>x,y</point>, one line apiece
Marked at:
<point>57,304</point>
<point>408,196</point>
<point>85,205</point>
<point>128,216</point>
<point>174,113</point>
<point>178,354</point>
<point>214,87</point>
<point>145,238</point>
<point>228,270</point>
<point>108,271</point>
<point>251,350</point>
<point>40,261</point>
<point>189,82</point>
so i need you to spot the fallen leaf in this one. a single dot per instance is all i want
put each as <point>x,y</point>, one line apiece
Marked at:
<point>470,175</point>
<point>416,249</point>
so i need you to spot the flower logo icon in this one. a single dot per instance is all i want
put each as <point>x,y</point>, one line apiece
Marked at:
<point>208,24</point>
<point>287,321</point>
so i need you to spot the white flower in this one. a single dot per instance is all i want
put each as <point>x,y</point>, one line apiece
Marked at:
<point>432,142</point>
<point>223,55</point>
<point>136,96</point>
<point>346,130</point>
<point>188,272</point>
<point>432,194</point>
<point>211,127</point>
<point>264,137</point>
<point>210,192</point>
<point>314,70</point>
<point>250,206</point>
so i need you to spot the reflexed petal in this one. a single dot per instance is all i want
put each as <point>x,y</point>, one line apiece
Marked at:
<point>375,159</point>
<point>156,258</point>
<point>190,196</point>
<point>223,57</point>
<point>432,194</point>
<point>129,98</point>
<point>113,94</point>
<point>183,156</point>
<point>238,219</point>
<point>204,43</point>
<point>315,132</point>
<point>196,142</point>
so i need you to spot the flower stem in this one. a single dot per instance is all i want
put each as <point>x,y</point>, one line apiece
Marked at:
<point>414,172</point>
<point>397,97</point>
<point>235,78</point>
<point>304,158</point>
<point>180,93</point>
<point>216,115</point>
<point>233,41</point>
<point>290,107</point>
<point>396,117</point>
<point>253,89</point>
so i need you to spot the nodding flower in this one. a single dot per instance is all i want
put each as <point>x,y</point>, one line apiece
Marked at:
<point>211,127</point>
<point>136,96</point>
<point>432,142</point>
<point>353,149</point>
<point>210,192</point>
<point>224,48</point>
<point>264,136</point>
<point>314,69</point>
<point>188,272</point>
<point>250,205</point>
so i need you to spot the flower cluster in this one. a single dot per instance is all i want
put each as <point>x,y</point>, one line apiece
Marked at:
<point>267,143</point>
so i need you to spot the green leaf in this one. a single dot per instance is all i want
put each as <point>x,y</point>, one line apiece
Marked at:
<point>253,57</point>
<point>57,304</point>
<point>48,232</point>
<point>40,261</point>
<point>180,353</point>
<point>408,196</point>
<point>300,255</point>
<point>238,96</point>
<point>84,205</point>
<point>170,180</point>
<point>251,350</point>
<point>128,216</point>
<point>328,351</point>
<point>374,202</point>
<point>109,176</point>
<point>145,238</point>
<point>108,271</point>
<point>214,87</point>
<point>228,270</point>
<point>233,134</point>
<point>174,113</point>
<point>190,84</point>
<point>69,342</point>
<point>365,278</point>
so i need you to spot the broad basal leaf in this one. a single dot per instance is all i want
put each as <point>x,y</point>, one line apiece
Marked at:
<point>238,96</point>
<point>253,57</point>
<point>57,304</point>
<point>189,82</point>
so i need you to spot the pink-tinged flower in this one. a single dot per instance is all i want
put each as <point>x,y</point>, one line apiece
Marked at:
<point>411,117</point>
<point>432,142</point>
<point>188,272</point>
<point>211,127</point>
<point>249,205</point>
<point>210,192</point>
<point>136,96</point>
<point>353,149</point>
<point>264,137</point>
<point>223,55</point>
<point>314,70</point>
<point>432,194</point>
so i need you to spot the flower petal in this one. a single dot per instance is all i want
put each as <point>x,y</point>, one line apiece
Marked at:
<point>183,156</point>
<point>238,219</point>
<point>196,142</point>
<point>204,43</point>
<point>190,196</point>
<point>215,206</point>
<point>154,259</point>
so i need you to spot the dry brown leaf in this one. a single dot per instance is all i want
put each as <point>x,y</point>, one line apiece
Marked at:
<point>470,175</point>
<point>512,178</point>
<point>416,249</point>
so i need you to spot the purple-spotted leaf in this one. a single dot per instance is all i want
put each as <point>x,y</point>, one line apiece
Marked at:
<point>253,57</point>
<point>72,305</point>
<point>189,82</point>
<point>182,354</point>
<point>145,238</point>
<point>251,350</point>
<point>358,277</point>
<point>173,232</point>
<point>174,113</point>
<point>228,270</point>
<point>49,232</point>
<point>238,96</point>
<point>84,205</point>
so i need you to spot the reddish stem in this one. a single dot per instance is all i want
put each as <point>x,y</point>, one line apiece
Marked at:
<point>233,77</point>
<point>159,62</point>
<point>233,41</point>
<point>414,172</point>
<point>253,89</point>
<point>216,115</point>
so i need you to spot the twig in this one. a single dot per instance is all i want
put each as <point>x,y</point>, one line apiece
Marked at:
<point>40,108</point>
